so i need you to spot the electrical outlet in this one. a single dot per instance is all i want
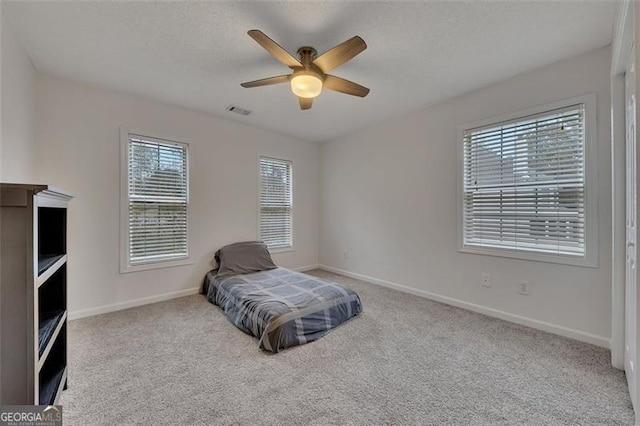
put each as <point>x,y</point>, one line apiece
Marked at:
<point>523,288</point>
<point>345,255</point>
<point>485,280</point>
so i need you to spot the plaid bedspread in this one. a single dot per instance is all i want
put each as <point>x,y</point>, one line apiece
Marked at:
<point>281,307</point>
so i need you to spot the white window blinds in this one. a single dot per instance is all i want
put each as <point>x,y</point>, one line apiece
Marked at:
<point>523,184</point>
<point>157,194</point>
<point>276,202</point>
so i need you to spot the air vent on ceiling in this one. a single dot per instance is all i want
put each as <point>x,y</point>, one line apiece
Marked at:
<point>238,110</point>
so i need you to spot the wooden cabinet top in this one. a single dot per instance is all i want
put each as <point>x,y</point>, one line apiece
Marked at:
<point>17,194</point>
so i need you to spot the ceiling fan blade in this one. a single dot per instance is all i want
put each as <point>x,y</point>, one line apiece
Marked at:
<point>305,103</point>
<point>274,48</point>
<point>340,54</point>
<point>267,81</point>
<point>341,85</point>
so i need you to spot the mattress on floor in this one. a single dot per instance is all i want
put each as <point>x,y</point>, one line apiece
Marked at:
<point>281,307</point>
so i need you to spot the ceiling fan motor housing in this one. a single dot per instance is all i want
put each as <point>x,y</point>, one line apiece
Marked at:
<point>307,54</point>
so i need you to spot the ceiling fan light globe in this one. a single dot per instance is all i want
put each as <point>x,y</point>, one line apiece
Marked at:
<point>306,85</point>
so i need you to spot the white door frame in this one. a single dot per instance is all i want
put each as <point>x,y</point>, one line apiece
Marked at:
<point>625,37</point>
<point>623,40</point>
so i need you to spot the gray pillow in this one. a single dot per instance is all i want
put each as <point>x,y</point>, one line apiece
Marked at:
<point>243,258</point>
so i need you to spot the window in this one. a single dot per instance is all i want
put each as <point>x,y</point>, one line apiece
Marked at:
<point>155,202</point>
<point>276,203</point>
<point>524,187</point>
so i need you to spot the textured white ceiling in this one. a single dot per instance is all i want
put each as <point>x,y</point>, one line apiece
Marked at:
<point>196,54</point>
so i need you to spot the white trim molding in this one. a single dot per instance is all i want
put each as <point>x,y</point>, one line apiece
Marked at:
<point>495,313</point>
<point>622,46</point>
<point>618,220</point>
<point>132,303</point>
<point>622,37</point>
<point>153,299</point>
<point>590,258</point>
<point>284,249</point>
<point>125,265</point>
<point>306,268</point>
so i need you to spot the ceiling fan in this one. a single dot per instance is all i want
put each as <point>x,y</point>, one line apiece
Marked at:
<point>309,74</point>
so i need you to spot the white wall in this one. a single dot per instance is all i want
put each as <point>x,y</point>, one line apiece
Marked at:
<point>79,148</point>
<point>389,199</point>
<point>17,116</point>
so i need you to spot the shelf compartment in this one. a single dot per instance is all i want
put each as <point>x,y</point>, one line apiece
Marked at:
<point>52,293</point>
<point>52,230</point>
<point>49,327</point>
<point>52,368</point>
<point>48,266</point>
<point>51,387</point>
<point>46,261</point>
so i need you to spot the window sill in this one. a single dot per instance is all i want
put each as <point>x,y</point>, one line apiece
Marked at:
<point>155,265</point>
<point>531,256</point>
<point>281,250</point>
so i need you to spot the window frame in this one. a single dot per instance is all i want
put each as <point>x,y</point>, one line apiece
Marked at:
<point>290,248</point>
<point>125,264</point>
<point>590,258</point>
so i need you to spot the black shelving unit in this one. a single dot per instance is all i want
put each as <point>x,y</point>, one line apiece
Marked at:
<point>33,241</point>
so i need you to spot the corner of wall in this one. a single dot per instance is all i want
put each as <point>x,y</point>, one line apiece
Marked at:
<point>17,110</point>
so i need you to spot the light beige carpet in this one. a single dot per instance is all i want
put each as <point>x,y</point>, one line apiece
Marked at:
<point>405,360</point>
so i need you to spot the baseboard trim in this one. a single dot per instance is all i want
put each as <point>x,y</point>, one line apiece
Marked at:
<point>306,268</point>
<point>518,319</point>
<point>83,313</point>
